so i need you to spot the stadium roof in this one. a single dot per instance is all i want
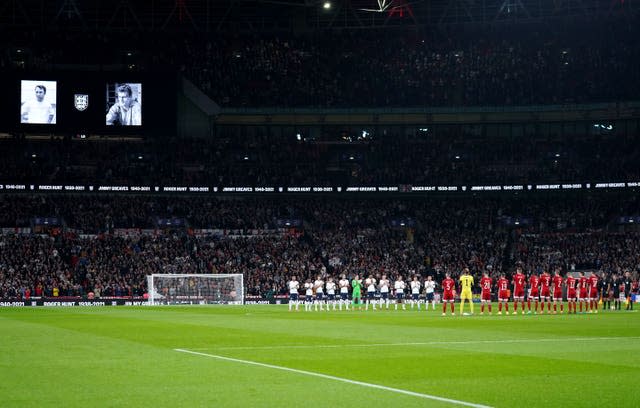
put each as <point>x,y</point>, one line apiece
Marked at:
<point>289,15</point>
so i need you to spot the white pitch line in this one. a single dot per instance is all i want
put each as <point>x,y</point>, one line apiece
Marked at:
<point>331,377</point>
<point>426,343</point>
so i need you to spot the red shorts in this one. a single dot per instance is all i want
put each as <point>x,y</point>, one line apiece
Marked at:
<point>557,295</point>
<point>447,296</point>
<point>583,293</point>
<point>571,294</point>
<point>534,295</point>
<point>545,293</point>
<point>503,295</point>
<point>593,294</point>
<point>486,296</point>
<point>518,292</point>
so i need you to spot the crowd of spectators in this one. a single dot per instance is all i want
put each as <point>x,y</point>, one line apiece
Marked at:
<point>100,213</point>
<point>613,252</point>
<point>86,254</point>
<point>508,66</point>
<point>271,161</point>
<point>534,64</point>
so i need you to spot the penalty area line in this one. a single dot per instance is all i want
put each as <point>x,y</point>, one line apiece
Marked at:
<point>331,377</point>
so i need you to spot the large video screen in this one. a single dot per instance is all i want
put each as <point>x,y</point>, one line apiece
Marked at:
<point>124,104</point>
<point>90,103</point>
<point>38,102</point>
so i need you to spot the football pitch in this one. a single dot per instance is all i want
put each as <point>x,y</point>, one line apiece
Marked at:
<point>265,356</point>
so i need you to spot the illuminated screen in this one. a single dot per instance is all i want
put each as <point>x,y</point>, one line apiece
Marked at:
<point>124,104</point>
<point>38,101</point>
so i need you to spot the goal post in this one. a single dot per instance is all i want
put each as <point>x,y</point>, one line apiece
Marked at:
<point>195,289</point>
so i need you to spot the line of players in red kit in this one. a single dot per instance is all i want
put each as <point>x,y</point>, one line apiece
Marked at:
<point>582,291</point>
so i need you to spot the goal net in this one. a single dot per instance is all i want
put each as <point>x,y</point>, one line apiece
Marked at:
<point>195,289</point>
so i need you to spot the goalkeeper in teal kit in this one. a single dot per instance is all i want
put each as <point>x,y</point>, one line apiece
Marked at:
<point>356,295</point>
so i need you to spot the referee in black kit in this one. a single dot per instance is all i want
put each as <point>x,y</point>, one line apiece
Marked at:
<point>627,282</point>
<point>615,290</point>
<point>606,290</point>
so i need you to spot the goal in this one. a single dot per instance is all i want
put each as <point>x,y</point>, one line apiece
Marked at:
<point>195,289</point>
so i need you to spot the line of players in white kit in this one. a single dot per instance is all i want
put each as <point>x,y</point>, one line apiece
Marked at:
<point>331,295</point>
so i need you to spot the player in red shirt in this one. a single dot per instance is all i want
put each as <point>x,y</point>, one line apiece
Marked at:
<point>534,293</point>
<point>572,284</point>
<point>545,293</point>
<point>485,298</point>
<point>503,294</point>
<point>556,284</point>
<point>593,292</point>
<point>448,289</point>
<point>518,290</point>
<point>582,294</point>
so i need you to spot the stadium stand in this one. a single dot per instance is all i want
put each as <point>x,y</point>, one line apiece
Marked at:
<point>108,245</point>
<point>72,244</point>
<point>500,66</point>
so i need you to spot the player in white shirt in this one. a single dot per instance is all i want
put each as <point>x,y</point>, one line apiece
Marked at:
<point>370,283</point>
<point>429,291</point>
<point>318,287</point>
<point>344,291</point>
<point>308,292</point>
<point>384,291</point>
<point>415,292</point>
<point>293,293</point>
<point>399,287</point>
<point>331,293</point>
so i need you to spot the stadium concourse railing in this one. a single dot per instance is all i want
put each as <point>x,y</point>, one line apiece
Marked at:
<point>447,109</point>
<point>430,115</point>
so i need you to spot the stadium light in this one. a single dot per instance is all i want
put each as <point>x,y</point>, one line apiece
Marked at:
<point>326,5</point>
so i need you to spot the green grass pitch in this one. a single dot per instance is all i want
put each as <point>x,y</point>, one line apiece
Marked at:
<point>126,357</point>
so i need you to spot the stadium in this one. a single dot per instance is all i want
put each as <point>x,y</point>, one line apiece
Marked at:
<point>384,203</point>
